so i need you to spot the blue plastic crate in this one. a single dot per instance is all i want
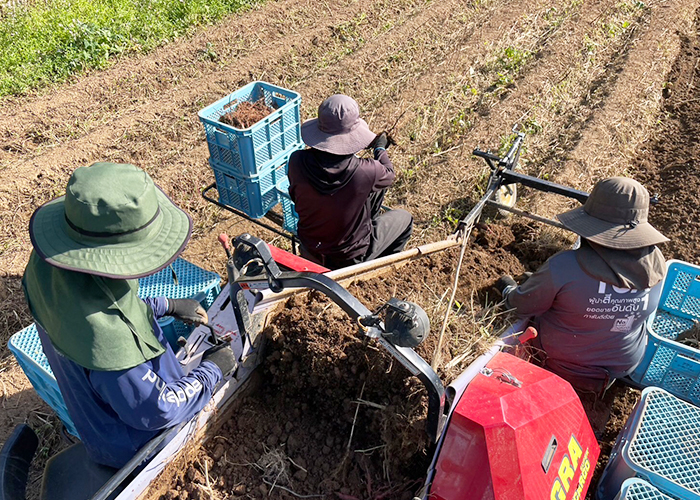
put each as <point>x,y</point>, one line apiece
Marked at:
<point>253,195</point>
<point>660,444</point>
<point>192,282</point>
<point>637,489</point>
<point>291,218</point>
<point>247,151</point>
<point>26,346</point>
<point>666,363</point>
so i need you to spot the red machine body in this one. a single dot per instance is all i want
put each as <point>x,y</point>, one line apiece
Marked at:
<point>518,432</point>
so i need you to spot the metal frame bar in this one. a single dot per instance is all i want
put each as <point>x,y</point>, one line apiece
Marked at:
<point>528,215</point>
<point>292,238</point>
<point>510,177</point>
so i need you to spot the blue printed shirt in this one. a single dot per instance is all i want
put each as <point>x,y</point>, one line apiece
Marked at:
<point>117,412</point>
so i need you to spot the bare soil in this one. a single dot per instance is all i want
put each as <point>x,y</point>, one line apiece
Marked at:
<point>602,87</point>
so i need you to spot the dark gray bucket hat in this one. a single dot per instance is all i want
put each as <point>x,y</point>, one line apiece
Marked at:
<point>615,216</point>
<point>113,222</point>
<point>338,129</point>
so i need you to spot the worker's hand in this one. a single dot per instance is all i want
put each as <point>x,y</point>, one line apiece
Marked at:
<point>522,278</point>
<point>222,356</point>
<point>187,310</point>
<point>505,284</point>
<point>381,141</point>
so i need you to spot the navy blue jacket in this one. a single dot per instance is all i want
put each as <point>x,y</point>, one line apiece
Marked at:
<point>117,412</point>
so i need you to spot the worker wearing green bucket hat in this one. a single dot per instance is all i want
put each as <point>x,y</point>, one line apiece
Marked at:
<point>120,379</point>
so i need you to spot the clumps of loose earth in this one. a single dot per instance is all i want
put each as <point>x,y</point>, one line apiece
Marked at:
<point>247,114</point>
<point>337,416</point>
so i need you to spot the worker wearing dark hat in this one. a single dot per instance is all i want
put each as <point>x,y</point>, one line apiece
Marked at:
<point>119,377</point>
<point>339,196</point>
<point>590,305</point>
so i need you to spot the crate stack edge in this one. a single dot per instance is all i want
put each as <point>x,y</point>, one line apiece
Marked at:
<point>668,364</point>
<point>249,164</point>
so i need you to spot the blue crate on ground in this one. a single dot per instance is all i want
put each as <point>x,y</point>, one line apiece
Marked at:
<point>247,151</point>
<point>291,218</point>
<point>666,363</point>
<point>659,444</point>
<point>192,282</point>
<point>253,195</point>
<point>638,489</point>
<point>26,346</point>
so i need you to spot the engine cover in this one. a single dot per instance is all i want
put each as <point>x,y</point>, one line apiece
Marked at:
<point>519,432</point>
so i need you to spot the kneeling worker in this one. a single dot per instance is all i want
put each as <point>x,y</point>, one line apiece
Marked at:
<point>119,377</point>
<point>590,305</point>
<point>338,196</point>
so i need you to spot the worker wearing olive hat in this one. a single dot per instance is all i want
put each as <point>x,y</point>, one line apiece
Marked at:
<point>339,196</point>
<point>118,375</point>
<point>590,305</point>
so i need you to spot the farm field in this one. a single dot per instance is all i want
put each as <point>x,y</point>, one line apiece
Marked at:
<point>601,88</point>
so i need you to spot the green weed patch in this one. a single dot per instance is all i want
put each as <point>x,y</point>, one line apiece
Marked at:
<point>47,41</point>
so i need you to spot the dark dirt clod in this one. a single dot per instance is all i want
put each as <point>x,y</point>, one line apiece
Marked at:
<point>247,114</point>
<point>325,382</point>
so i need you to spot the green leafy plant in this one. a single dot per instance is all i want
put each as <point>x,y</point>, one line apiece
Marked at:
<point>47,42</point>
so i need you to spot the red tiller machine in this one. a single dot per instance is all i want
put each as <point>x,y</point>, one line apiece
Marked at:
<point>517,432</point>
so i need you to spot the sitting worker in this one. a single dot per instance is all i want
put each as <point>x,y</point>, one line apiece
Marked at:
<point>118,375</point>
<point>590,305</point>
<point>339,196</point>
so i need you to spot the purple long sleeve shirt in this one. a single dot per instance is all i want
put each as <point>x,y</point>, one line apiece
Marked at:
<point>331,196</point>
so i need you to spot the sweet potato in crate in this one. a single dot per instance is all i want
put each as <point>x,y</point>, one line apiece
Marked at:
<point>247,152</point>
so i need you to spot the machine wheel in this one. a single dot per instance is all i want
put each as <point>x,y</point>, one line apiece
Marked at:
<point>507,195</point>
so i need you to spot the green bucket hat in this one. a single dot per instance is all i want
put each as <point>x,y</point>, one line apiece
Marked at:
<point>113,222</point>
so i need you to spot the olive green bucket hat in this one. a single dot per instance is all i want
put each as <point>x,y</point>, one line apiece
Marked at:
<point>113,221</point>
<point>615,215</point>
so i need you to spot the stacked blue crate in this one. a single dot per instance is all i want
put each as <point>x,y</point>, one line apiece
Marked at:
<point>638,489</point>
<point>291,218</point>
<point>659,444</point>
<point>192,282</point>
<point>666,363</point>
<point>26,347</point>
<point>249,163</point>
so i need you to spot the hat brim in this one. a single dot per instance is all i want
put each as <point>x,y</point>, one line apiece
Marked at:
<point>609,234</point>
<point>129,260</point>
<point>347,143</point>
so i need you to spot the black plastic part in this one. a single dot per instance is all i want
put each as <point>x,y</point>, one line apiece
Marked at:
<point>116,483</point>
<point>15,459</point>
<point>71,475</point>
<point>252,257</point>
<point>406,324</point>
<point>510,177</point>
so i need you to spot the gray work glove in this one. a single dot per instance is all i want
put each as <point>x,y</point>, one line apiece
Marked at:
<point>505,284</point>
<point>222,356</point>
<point>522,278</point>
<point>187,310</point>
<point>381,141</point>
